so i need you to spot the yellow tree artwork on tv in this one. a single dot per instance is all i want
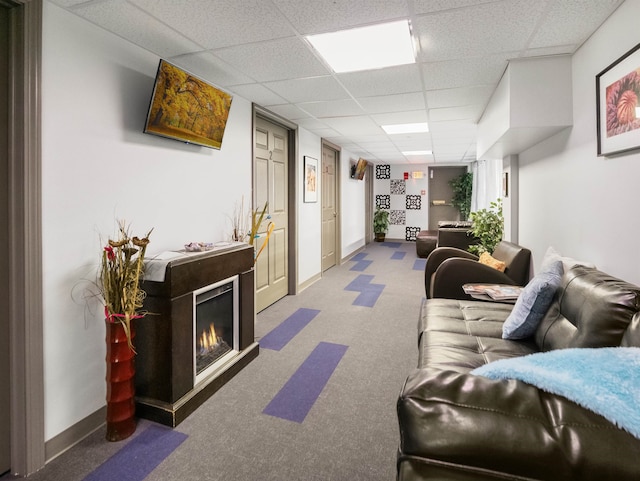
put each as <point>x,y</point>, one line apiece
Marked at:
<point>187,108</point>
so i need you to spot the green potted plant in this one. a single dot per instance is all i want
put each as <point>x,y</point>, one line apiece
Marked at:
<point>488,227</point>
<point>380,224</point>
<point>462,186</point>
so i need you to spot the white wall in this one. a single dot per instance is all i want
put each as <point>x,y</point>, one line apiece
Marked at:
<point>352,199</point>
<point>582,204</point>
<point>310,214</point>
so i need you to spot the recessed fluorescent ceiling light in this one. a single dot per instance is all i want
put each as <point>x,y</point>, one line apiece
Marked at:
<point>417,152</point>
<point>406,128</point>
<point>366,48</point>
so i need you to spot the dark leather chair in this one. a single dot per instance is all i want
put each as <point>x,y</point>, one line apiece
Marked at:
<point>448,268</point>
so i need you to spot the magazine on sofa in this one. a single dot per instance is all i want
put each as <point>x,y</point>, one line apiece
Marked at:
<point>497,292</point>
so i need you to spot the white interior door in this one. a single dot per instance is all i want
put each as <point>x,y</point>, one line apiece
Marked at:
<point>271,148</point>
<point>329,207</point>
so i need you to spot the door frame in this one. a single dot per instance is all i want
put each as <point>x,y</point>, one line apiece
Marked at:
<point>338,177</point>
<point>293,170</point>
<point>25,239</point>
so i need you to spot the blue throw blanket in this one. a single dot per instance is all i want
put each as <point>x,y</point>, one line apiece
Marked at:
<point>604,380</point>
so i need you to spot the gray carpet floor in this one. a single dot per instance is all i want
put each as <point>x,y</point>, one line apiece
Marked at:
<point>350,433</point>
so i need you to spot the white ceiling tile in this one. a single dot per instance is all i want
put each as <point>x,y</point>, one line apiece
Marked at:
<point>406,117</point>
<point>309,89</point>
<point>386,81</point>
<point>464,73</point>
<point>491,27</point>
<point>280,59</point>
<point>138,27</point>
<point>334,108</point>
<point>289,111</point>
<point>349,126</point>
<point>392,103</point>
<point>221,23</point>
<point>259,94</point>
<point>331,15</point>
<point>466,112</point>
<point>479,94</point>
<point>430,6</point>
<point>571,22</point>
<point>210,68</point>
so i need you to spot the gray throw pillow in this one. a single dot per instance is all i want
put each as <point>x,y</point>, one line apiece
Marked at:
<point>533,303</point>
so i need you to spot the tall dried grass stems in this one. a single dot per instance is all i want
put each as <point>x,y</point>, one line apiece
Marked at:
<point>120,275</point>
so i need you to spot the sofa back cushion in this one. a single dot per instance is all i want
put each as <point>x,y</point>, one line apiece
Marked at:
<point>591,309</point>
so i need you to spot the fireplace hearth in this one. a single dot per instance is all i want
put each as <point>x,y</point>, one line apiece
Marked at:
<point>200,330</point>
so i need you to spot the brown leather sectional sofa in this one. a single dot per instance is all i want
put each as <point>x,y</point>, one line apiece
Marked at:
<point>455,425</point>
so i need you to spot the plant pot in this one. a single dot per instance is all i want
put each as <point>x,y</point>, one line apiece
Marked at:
<point>121,406</point>
<point>380,236</point>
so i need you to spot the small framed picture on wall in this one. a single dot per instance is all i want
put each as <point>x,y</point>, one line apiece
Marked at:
<point>310,179</point>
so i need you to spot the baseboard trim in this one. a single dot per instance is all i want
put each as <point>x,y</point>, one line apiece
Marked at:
<point>351,254</point>
<point>309,282</point>
<point>73,435</point>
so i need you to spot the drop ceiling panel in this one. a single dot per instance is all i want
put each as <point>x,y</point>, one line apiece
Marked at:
<point>309,89</point>
<point>467,112</point>
<point>464,73</point>
<point>138,27</point>
<point>207,66</point>
<point>512,23</point>
<point>568,21</point>
<point>478,94</point>
<point>349,126</point>
<point>280,59</point>
<point>330,15</point>
<point>335,108</point>
<point>259,93</point>
<point>221,23</point>
<point>392,103</point>
<point>386,81</point>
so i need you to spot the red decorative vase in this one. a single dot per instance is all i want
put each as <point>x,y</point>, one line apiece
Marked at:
<point>121,369</point>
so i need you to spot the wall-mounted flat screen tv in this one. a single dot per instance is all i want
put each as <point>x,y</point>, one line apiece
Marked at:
<point>358,169</point>
<point>186,108</point>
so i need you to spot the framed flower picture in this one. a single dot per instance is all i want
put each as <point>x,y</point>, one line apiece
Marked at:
<point>618,109</point>
<point>310,179</point>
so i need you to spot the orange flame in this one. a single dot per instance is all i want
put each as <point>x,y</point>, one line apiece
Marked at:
<point>208,339</point>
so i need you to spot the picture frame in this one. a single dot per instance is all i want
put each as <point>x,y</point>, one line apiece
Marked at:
<point>310,179</point>
<point>618,105</point>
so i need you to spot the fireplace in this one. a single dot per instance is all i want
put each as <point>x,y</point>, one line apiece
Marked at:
<point>199,331</point>
<point>215,326</point>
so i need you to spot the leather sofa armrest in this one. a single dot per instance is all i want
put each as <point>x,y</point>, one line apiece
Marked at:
<point>452,273</point>
<point>437,257</point>
<point>506,430</point>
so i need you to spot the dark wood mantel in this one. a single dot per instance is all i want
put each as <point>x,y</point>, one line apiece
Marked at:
<point>165,389</point>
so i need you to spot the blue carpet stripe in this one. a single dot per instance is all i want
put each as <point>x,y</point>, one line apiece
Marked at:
<point>393,245</point>
<point>296,398</point>
<point>359,256</point>
<point>361,266</point>
<point>278,337</point>
<point>419,264</point>
<point>369,292</point>
<point>136,459</point>
<point>398,255</point>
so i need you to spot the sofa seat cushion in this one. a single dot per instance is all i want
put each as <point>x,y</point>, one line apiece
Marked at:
<point>506,430</point>
<point>464,353</point>
<point>476,318</point>
<point>463,335</point>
